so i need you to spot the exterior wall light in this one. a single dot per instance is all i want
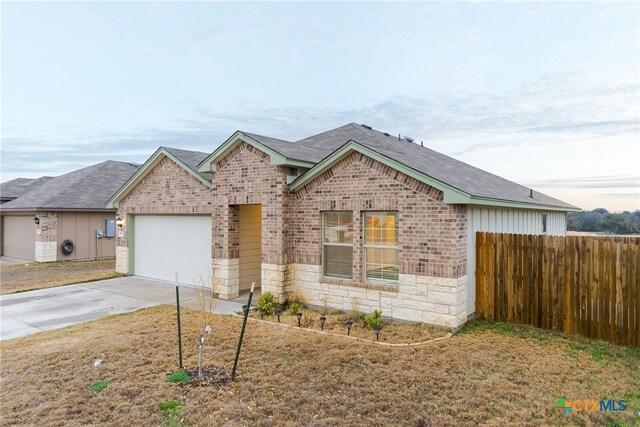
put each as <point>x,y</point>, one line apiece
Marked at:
<point>119,222</point>
<point>36,220</point>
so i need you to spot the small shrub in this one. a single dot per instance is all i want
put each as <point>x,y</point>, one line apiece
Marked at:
<point>293,308</point>
<point>99,386</point>
<point>354,314</point>
<point>309,319</point>
<point>374,319</point>
<point>178,377</point>
<point>265,303</point>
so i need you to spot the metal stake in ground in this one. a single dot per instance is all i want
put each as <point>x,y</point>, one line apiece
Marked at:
<point>179,330</point>
<point>244,324</point>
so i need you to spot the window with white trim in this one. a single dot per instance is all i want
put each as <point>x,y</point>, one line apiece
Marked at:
<point>337,244</point>
<point>381,246</point>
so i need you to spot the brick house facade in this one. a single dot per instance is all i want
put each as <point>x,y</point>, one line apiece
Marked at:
<point>431,286</point>
<point>430,205</point>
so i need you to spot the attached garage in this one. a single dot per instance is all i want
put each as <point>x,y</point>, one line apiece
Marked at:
<point>168,244</point>
<point>19,236</point>
<point>164,213</point>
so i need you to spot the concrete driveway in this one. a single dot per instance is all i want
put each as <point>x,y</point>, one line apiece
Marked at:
<point>30,312</point>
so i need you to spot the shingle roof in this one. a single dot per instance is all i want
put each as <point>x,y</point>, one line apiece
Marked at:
<point>17,187</point>
<point>191,159</point>
<point>87,188</point>
<point>445,169</point>
<point>291,150</point>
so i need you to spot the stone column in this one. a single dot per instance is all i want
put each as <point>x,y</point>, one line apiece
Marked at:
<point>46,237</point>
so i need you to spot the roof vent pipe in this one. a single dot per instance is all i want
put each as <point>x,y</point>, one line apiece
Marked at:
<point>531,193</point>
<point>421,143</point>
<point>399,137</point>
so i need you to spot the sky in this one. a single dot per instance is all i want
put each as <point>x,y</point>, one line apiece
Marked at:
<point>545,94</point>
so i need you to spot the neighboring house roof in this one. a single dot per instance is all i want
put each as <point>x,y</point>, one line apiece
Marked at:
<point>461,182</point>
<point>85,189</point>
<point>188,160</point>
<point>17,187</point>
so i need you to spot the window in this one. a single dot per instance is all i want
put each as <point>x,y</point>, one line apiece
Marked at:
<point>544,223</point>
<point>337,244</point>
<point>381,246</point>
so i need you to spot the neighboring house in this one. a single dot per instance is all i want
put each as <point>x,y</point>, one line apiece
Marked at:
<point>349,218</point>
<point>15,188</point>
<point>69,207</point>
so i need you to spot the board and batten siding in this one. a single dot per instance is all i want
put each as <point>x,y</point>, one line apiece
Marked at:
<point>496,220</point>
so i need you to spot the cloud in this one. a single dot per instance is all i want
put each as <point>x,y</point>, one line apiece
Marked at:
<point>550,111</point>
<point>593,182</point>
<point>633,196</point>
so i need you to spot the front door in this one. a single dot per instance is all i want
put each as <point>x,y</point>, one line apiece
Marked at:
<point>250,219</point>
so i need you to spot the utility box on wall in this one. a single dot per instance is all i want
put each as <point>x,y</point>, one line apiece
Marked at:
<point>110,228</point>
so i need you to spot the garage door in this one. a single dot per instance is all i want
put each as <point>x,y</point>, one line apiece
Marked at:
<point>166,245</point>
<point>19,237</point>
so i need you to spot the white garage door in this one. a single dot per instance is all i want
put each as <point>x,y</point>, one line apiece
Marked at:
<point>169,244</point>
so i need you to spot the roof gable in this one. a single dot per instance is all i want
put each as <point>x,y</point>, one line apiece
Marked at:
<point>277,150</point>
<point>452,195</point>
<point>187,160</point>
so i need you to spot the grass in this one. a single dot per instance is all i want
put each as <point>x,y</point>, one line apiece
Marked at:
<point>178,377</point>
<point>99,386</point>
<point>488,374</point>
<point>169,413</point>
<point>32,276</point>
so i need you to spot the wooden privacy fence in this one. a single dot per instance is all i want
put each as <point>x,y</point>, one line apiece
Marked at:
<point>576,284</point>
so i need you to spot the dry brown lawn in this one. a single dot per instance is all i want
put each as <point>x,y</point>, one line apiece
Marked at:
<point>490,374</point>
<point>28,277</point>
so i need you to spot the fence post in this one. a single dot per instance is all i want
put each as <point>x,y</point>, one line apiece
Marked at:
<point>179,327</point>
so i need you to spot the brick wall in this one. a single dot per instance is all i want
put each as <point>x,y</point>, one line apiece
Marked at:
<point>245,176</point>
<point>431,234</point>
<point>167,189</point>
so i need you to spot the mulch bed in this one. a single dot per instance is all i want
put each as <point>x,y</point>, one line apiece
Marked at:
<point>211,376</point>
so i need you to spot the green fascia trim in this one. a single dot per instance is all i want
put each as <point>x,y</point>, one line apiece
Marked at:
<point>295,163</point>
<point>131,233</point>
<point>452,195</point>
<point>277,159</point>
<point>142,172</point>
<point>484,201</point>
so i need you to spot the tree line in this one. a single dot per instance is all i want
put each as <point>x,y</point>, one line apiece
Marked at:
<point>602,221</point>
